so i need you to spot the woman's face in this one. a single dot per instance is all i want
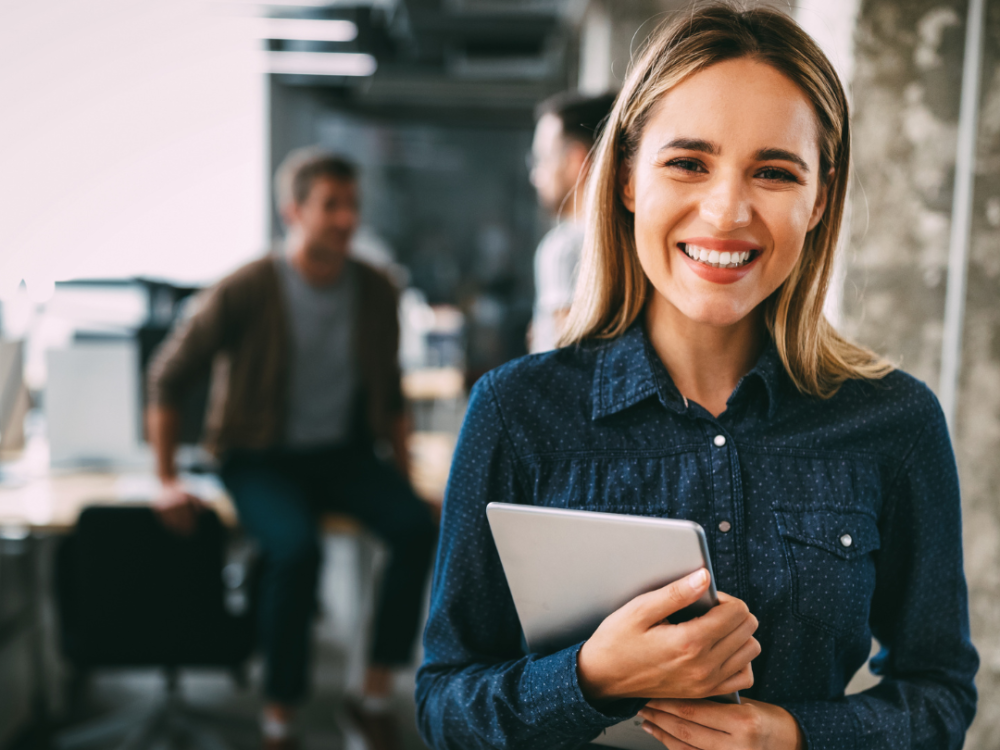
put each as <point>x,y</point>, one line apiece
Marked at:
<point>727,171</point>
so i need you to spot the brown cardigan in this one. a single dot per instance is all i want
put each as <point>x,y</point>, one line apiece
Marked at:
<point>240,333</point>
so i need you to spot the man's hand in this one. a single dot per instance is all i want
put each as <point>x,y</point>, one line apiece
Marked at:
<point>177,508</point>
<point>635,653</point>
<point>707,725</point>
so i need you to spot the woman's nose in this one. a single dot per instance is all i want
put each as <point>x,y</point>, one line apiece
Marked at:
<point>726,205</point>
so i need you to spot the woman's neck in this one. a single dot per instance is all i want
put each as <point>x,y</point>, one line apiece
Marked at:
<point>704,361</point>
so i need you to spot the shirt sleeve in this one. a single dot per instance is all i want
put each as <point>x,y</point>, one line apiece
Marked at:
<point>188,351</point>
<point>395,403</point>
<point>476,687</point>
<point>567,262</point>
<point>919,615</point>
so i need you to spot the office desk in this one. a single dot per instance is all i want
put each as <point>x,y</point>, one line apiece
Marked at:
<point>50,502</point>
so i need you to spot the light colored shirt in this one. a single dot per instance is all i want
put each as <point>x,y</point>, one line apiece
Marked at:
<point>323,380</point>
<point>556,262</point>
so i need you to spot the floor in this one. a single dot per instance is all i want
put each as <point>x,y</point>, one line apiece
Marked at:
<point>321,724</point>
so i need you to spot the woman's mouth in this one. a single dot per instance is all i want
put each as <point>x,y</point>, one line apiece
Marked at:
<point>717,259</point>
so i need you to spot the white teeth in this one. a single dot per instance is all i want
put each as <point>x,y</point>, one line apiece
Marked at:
<point>715,258</point>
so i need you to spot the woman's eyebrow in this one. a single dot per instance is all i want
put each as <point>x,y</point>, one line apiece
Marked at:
<point>780,154</point>
<point>692,144</point>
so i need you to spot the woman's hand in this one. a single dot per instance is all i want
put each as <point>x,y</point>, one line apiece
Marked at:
<point>636,654</point>
<point>707,725</point>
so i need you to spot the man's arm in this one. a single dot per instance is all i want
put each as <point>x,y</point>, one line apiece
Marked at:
<point>177,508</point>
<point>184,356</point>
<point>162,425</point>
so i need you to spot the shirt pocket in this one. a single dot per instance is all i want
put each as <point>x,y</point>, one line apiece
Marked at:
<point>829,553</point>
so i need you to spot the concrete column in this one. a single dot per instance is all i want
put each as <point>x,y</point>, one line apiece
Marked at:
<point>906,90</point>
<point>611,31</point>
<point>977,423</point>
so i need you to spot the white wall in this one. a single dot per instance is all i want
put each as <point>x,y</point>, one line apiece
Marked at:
<point>132,141</point>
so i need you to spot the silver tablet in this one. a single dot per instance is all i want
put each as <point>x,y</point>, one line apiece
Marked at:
<point>569,569</point>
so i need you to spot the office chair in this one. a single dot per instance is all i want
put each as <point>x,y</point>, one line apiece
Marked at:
<point>132,593</point>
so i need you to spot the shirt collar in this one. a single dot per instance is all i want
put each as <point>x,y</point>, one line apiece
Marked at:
<point>629,371</point>
<point>770,371</point>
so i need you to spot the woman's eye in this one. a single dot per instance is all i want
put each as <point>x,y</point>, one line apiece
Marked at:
<point>688,165</point>
<point>775,174</point>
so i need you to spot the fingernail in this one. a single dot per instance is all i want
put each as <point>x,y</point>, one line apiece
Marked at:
<point>646,729</point>
<point>697,579</point>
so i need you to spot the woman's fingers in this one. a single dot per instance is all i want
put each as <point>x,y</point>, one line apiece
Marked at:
<point>656,606</point>
<point>707,725</point>
<point>728,618</point>
<point>737,638</point>
<point>745,654</point>
<point>707,713</point>
<point>742,680</point>
<point>678,729</point>
<point>671,743</point>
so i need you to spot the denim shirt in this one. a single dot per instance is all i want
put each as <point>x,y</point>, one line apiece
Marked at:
<point>834,520</point>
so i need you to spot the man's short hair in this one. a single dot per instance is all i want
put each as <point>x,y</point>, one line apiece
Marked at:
<point>302,167</point>
<point>581,116</point>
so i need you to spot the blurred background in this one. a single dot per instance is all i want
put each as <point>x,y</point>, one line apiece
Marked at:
<point>138,140</point>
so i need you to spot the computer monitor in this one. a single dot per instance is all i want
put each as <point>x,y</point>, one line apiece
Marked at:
<point>13,397</point>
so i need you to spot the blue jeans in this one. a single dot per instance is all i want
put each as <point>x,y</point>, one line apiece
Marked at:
<point>279,495</point>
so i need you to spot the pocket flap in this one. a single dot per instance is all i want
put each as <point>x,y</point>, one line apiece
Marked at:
<point>846,534</point>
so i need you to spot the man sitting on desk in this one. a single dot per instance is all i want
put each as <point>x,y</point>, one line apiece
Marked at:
<point>303,353</point>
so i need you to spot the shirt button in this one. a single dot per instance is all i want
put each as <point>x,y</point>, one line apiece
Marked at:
<point>725,526</point>
<point>720,440</point>
<point>846,540</point>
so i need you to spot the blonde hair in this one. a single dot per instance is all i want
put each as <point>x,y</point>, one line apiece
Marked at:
<point>612,288</point>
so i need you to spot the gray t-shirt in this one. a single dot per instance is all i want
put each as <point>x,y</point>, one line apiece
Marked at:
<point>324,373</point>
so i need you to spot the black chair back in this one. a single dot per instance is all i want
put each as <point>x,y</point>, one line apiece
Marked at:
<point>132,593</point>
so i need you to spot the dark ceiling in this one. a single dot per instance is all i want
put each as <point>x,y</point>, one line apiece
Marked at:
<point>446,53</point>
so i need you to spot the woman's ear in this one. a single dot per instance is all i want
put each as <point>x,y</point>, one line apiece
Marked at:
<point>821,198</point>
<point>626,186</point>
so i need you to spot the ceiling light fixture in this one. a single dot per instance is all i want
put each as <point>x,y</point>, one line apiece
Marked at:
<point>321,63</point>
<point>303,29</point>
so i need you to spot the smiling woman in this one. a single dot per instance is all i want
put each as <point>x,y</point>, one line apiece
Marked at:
<point>704,383</point>
<point>765,91</point>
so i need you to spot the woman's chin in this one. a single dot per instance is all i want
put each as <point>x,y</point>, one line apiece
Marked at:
<point>713,312</point>
<point>718,319</point>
